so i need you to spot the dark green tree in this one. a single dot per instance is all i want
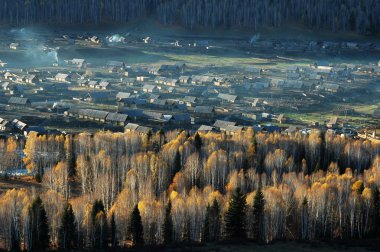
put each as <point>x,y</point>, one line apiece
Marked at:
<point>15,237</point>
<point>99,223</point>
<point>177,163</point>
<point>113,231</point>
<point>167,228</point>
<point>198,141</point>
<point>66,235</point>
<point>376,211</point>
<point>258,216</point>
<point>186,238</point>
<point>211,231</point>
<point>234,219</point>
<point>206,226</point>
<point>136,228</point>
<point>38,226</point>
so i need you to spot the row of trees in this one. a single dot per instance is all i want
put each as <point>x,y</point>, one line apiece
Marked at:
<point>336,15</point>
<point>119,189</point>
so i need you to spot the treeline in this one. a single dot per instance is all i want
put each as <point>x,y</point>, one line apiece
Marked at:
<point>333,15</point>
<point>124,189</point>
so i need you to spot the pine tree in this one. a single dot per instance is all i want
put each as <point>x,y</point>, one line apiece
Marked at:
<point>186,237</point>
<point>177,163</point>
<point>198,141</point>
<point>99,223</point>
<point>67,229</point>
<point>113,231</point>
<point>258,216</point>
<point>235,216</point>
<point>215,221</point>
<point>167,228</point>
<point>38,226</point>
<point>206,226</point>
<point>15,237</point>
<point>376,211</point>
<point>136,228</point>
<point>304,219</point>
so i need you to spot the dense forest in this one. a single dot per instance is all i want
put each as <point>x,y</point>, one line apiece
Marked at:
<point>334,15</point>
<point>123,189</point>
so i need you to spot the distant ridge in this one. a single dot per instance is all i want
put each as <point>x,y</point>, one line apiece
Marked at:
<point>333,15</point>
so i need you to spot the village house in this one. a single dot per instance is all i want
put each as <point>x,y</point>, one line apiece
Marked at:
<point>227,98</point>
<point>330,87</point>
<point>204,111</point>
<point>184,79</point>
<point>232,130</point>
<point>117,119</point>
<point>202,80</point>
<point>92,114</point>
<point>93,84</point>
<point>13,46</point>
<point>31,79</point>
<point>122,95</point>
<point>103,85</point>
<point>206,129</point>
<point>19,125</point>
<point>140,130</point>
<point>333,123</point>
<point>4,124</point>
<point>189,100</point>
<point>222,125</point>
<point>18,101</point>
<point>115,66</point>
<point>62,77</point>
<point>80,63</point>
<point>147,88</point>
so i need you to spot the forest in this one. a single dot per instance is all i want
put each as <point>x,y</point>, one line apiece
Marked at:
<point>124,190</point>
<point>332,15</point>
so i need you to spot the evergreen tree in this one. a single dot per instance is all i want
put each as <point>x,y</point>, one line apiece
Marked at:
<point>177,162</point>
<point>212,223</point>
<point>258,216</point>
<point>376,211</point>
<point>38,226</point>
<point>206,226</point>
<point>186,238</point>
<point>167,228</point>
<point>198,141</point>
<point>67,230</point>
<point>99,223</point>
<point>15,237</point>
<point>136,228</point>
<point>235,216</point>
<point>113,231</point>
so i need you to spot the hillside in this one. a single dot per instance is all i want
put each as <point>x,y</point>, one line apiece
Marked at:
<point>333,15</point>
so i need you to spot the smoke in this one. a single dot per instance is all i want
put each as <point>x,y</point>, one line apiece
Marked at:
<point>254,38</point>
<point>116,38</point>
<point>33,46</point>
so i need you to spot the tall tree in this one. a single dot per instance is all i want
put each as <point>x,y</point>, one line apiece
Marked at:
<point>234,219</point>
<point>198,141</point>
<point>167,228</point>
<point>258,215</point>
<point>136,228</point>
<point>39,236</point>
<point>68,228</point>
<point>113,231</point>
<point>99,223</point>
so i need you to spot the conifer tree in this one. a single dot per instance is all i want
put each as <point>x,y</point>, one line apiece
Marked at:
<point>136,228</point>
<point>113,231</point>
<point>99,222</point>
<point>376,210</point>
<point>38,226</point>
<point>177,162</point>
<point>258,216</point>
<point>235,216</point>
<point>206,226</point>
<point>198,141</point>
<point>15,237</point>
<point>167,228</point>
<point>67,229</point>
